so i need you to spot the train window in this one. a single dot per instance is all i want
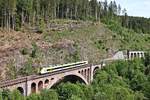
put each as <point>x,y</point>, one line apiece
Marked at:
<point>48,69</point>
<point>63,66</point>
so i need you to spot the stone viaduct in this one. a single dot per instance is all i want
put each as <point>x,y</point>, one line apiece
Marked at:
<point>135,54</point>
<point>35,83</point>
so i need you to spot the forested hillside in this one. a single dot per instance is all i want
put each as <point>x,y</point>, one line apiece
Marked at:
<point>138,24</point>
<point>121,80</point>
<point>15,14</point>
<point>34,33</point>
<point>38,33</point>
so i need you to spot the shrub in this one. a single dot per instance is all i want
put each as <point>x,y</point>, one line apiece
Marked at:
<point>27,68</point>
<point>34,50</point>
<point>49,95</point>
<point>16,95</point>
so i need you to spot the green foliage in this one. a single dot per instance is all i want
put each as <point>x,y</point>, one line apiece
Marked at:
<point>40,12</point>
<point>16,95</point>
<point>27,68</point>
<point>87,90</point>
<point>99,44</point>
<point>146,89</point>
<point>74,97</point>
<point>13,71</point>
<point>138,24</point>
<point>139,96</point>
<point>128,37</point>
<point>120,80</point>
<point>101,96</point>
<point>24,51</point>
<point>34,97</point>
<point>5,94</point>
<point>147,59</point>
<point>67,90</point>
<point>42,26</point>
<point>74,57</point>
<point>49,95</point>
<point>1,98</point>
<point>34,50</point>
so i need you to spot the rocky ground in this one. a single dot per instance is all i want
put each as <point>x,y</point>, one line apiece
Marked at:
<point>14,44</point>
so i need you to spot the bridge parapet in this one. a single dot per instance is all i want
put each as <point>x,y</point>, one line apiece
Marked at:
<point>24,84</point>
<point>7,83</point>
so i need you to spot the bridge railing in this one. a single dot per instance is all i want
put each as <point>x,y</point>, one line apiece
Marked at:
<point>11,82</point>
<point>7,83</point>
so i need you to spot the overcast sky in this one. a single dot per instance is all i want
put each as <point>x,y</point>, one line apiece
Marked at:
<point>135,7</point>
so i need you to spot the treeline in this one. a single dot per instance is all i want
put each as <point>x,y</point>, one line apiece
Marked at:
<point>16,95</point>
<point>16,13</point>
<point>121,80</point>
<point>138,24</point>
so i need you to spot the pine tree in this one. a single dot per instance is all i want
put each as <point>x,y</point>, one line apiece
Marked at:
<point>105,8</point>
<point>94,6</point>
<point>119,9</point>
<point>13,4</point>
<point>125,18</point>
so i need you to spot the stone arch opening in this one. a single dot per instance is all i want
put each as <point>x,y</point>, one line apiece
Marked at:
<point>21,90</point>
<point>69,78</point>
<point>85,73</point>
<point>33,88</point>
<point>95,69</point>
<point>40,86</point>
<point>132,55</point>
<point>135,55</point>
<point>82,72</point>
<point>88,76</point>
<point>79,72</point>
<point>46,83</point>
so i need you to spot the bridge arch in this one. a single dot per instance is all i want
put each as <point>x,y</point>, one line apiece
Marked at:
<point>46,83</point>
<point>95,69</point>
<point>71,78</point>
<point>33,87</point>
<point>40,85</point>
<point>21,90</point>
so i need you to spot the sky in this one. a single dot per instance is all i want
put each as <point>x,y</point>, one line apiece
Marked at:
<point>135,7</point>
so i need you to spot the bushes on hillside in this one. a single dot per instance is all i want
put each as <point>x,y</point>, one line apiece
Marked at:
<point>121,80</point>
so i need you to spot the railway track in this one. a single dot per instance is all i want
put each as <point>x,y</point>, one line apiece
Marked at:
<point>7,83</point>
